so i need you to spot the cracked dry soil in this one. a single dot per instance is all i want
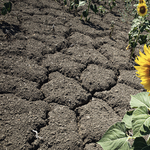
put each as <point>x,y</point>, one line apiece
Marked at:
<point>62,77</point>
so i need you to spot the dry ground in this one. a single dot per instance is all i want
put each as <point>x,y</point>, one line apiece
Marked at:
<point>62,77</point>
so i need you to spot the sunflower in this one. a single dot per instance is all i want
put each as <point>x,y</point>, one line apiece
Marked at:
<point>142,1</point>
<point>142,9</point>
<point>143,70</point>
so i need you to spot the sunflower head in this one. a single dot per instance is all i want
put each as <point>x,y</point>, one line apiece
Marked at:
<point>143,70</point>
<point>142,1</point>
<point>142,9</point>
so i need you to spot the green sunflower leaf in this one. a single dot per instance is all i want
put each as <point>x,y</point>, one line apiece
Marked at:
<point>142,28</point>
<point>142,39</point>
<point>133,44</point>
<point>85,13</point>
<point>140,99</point>
<point>127,119</point>
<point>141,121</point>
<point>76,2</point>
<point>65,2</point>
<point>135,23</point>
<point>4,11</point>
<point>8,6</point>
<point>147,23</point>
<point>146,148</point>
<point>82,3</point>
<point>115,138</point>
<point>94,8</point>
<point>134,32</point>
<point>139,143</point>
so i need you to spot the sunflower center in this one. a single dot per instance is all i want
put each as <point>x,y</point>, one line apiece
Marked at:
<point>142,10</point>
<point>141,1</point>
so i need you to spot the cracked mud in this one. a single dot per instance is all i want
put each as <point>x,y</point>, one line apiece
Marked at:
<point>62,77</point>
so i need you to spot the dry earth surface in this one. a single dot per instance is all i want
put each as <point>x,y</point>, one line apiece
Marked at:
<point>62,77</point>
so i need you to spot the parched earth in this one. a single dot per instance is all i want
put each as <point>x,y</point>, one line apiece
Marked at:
<point>63,81</point>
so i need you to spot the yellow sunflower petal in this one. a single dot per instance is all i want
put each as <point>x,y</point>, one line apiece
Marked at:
<point>147,50</point>
<point>142,62</point>
<point>143,70</point>
<point>142,55</point>
<point>145,81</point>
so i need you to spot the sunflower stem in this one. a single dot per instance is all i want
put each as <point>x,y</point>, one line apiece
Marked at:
<point>142,21</point>
<point>88,8</point>
<point>132,52</point>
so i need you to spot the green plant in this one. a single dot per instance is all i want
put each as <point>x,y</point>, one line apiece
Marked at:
<point>134,127</point>
<point>74,4</point>
<point>129,12</point>
<point>139,33</point>
<point>140,29</point>
<point>111,28</point>
<point>7,8</point>
<point>86,12</point>
<point>96,9</point>
<point>133,132</point>
<point>102,10</point>
<point>111,3</point>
